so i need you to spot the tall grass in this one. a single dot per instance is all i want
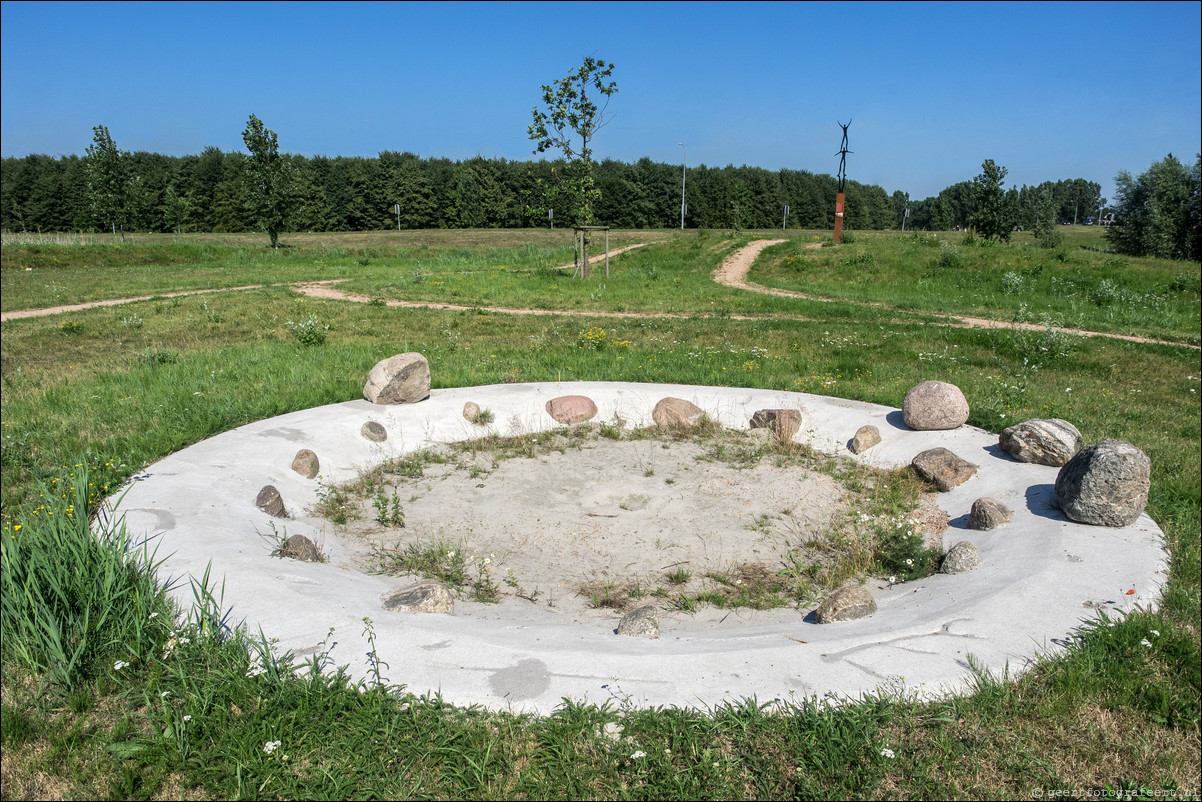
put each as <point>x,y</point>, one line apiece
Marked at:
<point>72,598</point>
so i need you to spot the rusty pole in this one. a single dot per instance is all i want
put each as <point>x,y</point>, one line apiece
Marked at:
<point>842,154</point>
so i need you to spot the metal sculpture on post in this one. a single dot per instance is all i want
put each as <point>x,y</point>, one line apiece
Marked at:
<point>843,151</point>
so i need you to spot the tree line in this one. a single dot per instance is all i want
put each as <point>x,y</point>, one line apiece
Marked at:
<point>223,192</point>
<point>209,192</point>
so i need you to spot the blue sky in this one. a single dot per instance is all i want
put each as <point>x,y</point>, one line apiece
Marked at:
<point>1049,90</point>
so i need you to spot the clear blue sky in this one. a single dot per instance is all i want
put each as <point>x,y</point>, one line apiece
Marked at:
<point>1049,90</point>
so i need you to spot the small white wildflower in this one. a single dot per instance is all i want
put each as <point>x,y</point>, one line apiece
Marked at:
<point>187,718</point>
<point>909,562</point>
<point>638,754</point>
<point>887,753</point>
<point>1155,632</point>
<point>1146,642</point>
<point>120,664</point>
<point>185,640</point>
<point>893,580</point>
<point>270,747</point>
<point>164,694</point>
<point>152,616</point>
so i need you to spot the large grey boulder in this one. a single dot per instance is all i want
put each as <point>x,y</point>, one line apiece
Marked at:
<point>943,468</point>
<point>784,423</point>
<point>676,412</point>
<point>640,623</point>
<point>571,408</point>
<point>848,602</point>
<point>1105,484</point>
<point>934,406</point>
<point>960,558</point>
<point>989,513</point>
<point>1049,441</point>
<point>424,597</point>
<point>400,379</point>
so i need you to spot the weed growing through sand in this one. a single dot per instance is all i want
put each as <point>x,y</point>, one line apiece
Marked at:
<point>388,513</point>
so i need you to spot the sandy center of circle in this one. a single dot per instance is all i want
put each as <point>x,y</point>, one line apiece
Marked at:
<point>589,526</point>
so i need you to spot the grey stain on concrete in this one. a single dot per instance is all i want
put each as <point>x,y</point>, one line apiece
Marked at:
<point>526,680</point>
<point>295,435</point>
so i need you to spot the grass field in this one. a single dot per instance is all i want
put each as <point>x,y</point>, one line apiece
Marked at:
<point>142,702</point>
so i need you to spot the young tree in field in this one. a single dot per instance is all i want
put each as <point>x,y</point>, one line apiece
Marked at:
<point>993,213</point>
<point>112,186</point>
<point>268,180</point>
<point>1157,213</point>
<point>568,121</point>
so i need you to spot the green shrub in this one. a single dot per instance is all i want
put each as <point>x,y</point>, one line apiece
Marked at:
<point>310,331</point>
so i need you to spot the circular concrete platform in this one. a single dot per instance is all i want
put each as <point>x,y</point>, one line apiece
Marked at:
<point>1042,575</point>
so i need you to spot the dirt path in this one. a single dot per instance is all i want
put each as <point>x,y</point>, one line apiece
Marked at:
<point>731,273</point>
<point>55,310</point>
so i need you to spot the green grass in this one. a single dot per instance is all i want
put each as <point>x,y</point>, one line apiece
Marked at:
<point>1113,712</point>
<point>1072,286</point>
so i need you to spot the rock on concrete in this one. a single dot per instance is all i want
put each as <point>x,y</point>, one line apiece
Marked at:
<point>374,431</point>
<point>269,501</point>
<point>845,604</point>
<point>934,406</point>
<point>784,423</point>
<point>640,623</point>
<point>424,597</point>
<point>299,547</point>
<point>471,411</point>
<point>989,513</point>
<point>1050,441</point>
<point>676,412</point>
<point>571,409</point>
<point>400,379</point>
<point>865,438</point>
<point>306,463</point>
<point>943,468</point>
<point>960,558</point>
<point>1105,484</point>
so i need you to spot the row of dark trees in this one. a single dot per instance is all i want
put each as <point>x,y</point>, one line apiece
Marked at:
<point>208,192</point>
<point>1067,201</point>
<point>213,191</point>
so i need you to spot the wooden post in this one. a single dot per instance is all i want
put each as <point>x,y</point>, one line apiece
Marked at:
<point>838,217</point>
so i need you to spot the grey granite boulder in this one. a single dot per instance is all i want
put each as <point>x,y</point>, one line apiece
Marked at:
<point>374,431</point>
<point>270,502</point>
<point>848,602</point>
<point>943,468</point>
<point>1105,484</point>
<point>571,409</point>
<point>1050,441</point>
<point>934,406</point>
<point>640,623</point>
<point>989,513</point>
<point>400,379</point>
<point>865,438</point>
<point>960,558</point>
<point>424,597</point>
<point>784,423</point>
<point>471,411</point>
<point>299,547</point>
